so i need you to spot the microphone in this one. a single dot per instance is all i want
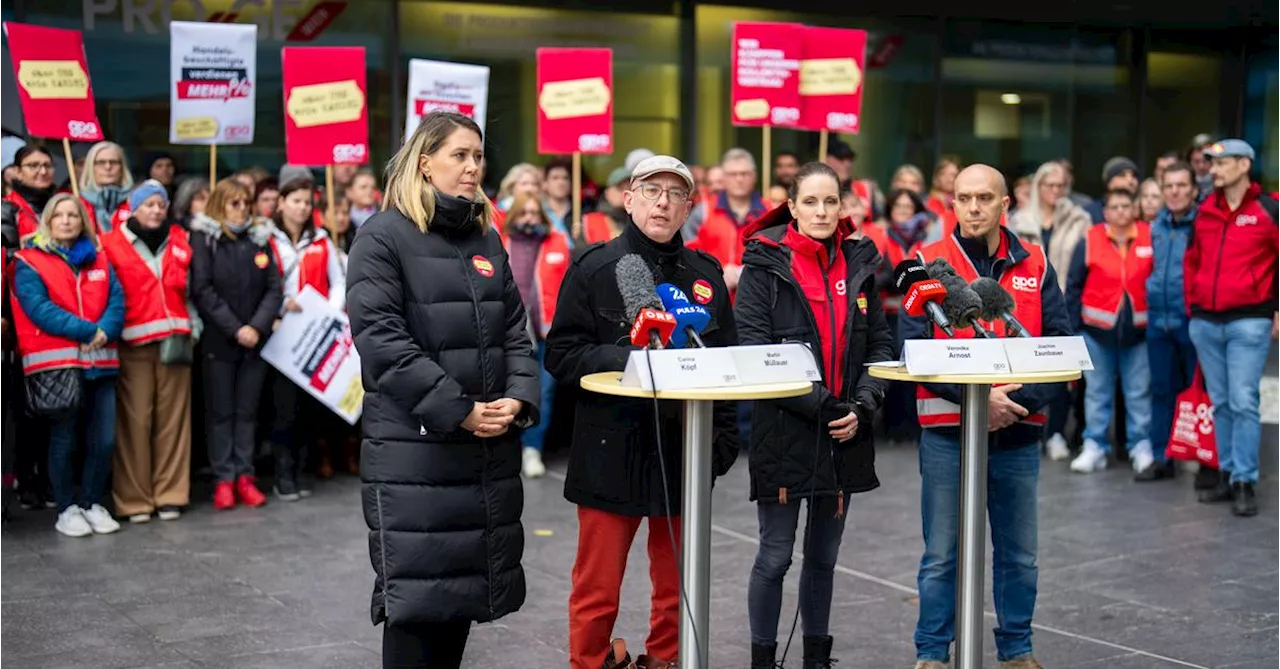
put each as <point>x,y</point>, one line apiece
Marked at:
<point>939,267</point>
<point>963,305</point>
<point>690,318</point>
<point>922,293</point>
<point>997,304</point>
<point>651,326</point>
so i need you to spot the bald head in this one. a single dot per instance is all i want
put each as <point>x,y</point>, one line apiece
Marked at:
<point>981,199</point>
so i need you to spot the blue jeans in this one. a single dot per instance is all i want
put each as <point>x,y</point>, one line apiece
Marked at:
<point>1012,477</point>
<point>1233,356</point>
<point>778,524</point>
<point>536,436</point>
<point>1173,364</point>
<point>1131,365</point>
<point>99,413</point>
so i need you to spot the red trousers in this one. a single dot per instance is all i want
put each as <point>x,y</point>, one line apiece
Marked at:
<point>604,539</point>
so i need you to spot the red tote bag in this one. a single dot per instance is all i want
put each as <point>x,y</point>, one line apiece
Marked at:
<point>1192,437</point>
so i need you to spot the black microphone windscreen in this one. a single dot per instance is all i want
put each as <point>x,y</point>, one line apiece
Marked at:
<point>908,273</point>
<point>996,301</point>
<point>939,267</point>
<point>635,283</point>
<point>962,304</point>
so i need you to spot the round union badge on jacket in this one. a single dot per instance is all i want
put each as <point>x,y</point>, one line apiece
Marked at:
<point>483,267</point>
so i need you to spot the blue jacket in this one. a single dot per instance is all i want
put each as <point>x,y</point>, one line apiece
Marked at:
<point>1053,323</point>
<point>32,294</point>
<point>1125,333</point>
<point>1166,308</point>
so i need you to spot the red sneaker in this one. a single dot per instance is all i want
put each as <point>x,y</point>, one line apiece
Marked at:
<point>223,496</point>
<point>248,492</point>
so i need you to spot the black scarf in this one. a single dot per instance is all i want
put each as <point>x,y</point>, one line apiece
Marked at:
<point>36,197</point>
<point>456,216</point>
<point>152,238</point>
<point>665,257</point>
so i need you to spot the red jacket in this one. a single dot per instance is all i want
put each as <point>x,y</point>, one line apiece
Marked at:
<point>1230,264</point>
<point>823,281</point>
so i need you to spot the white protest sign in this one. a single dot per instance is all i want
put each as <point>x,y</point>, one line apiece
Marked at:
<point>313,348</point>
<point>213,70</point>
<point>929,357</point>
<point>681,369</point>
<point>440,86</point>
<point>1047,354</point>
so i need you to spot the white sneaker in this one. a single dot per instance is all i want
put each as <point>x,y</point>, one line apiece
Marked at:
<point>1057,447</point>
<point>1091,459</point>
<point>72,523</point>
<point>100,520</point>
<point>170,513</point>
<point>140,518</point>
<point>533,467</point>
<point>1140,457</point>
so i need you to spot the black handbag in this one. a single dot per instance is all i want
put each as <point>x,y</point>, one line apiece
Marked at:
<point>55,392</point>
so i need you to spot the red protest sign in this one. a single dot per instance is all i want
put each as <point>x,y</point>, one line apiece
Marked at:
<point>766,73</point>
<point>53,82</point>
<point>575,100</point>
<point>326,117</point>
<point>831,76</point>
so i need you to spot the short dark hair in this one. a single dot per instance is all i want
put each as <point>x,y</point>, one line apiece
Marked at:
<point>556,163</point>
<point>29,149</point>
<point>917,202</point>
<point>786,154</point>
<point>1114,193</point>
<point>1180,166</point>
<point>809,170</point>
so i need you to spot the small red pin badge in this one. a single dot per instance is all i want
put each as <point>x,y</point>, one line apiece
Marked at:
<point>483,266</point>
<point>261,260</point>
<point>702,291</point>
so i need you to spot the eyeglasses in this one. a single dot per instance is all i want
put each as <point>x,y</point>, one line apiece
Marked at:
<point>236,204</point>
<point>1053,186</point>
<point>653,191</point>
<point>107,162</point>
<point>38,167</point>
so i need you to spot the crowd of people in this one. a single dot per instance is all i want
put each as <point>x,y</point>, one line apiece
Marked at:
<point>136,311</point>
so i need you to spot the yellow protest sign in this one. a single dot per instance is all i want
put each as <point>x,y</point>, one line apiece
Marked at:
<point>752,110</point>
<point>53,79</point>
<point>829,76</point>
<point>325,104</point>
<point>196,127</point>
<point>571,99</point>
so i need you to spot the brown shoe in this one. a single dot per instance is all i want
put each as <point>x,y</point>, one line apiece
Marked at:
<point>618,657</point>
<point>324,463</point>
<point>1025,662</point>
<point>650,662</point>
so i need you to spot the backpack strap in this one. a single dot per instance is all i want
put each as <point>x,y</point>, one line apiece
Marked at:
<point>1268,203</point>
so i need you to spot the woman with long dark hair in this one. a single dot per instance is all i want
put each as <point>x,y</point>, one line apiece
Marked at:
<point>806,280</point>
<point>450,378</point>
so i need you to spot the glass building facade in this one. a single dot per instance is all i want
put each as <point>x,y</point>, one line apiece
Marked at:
<point>1120,81</point>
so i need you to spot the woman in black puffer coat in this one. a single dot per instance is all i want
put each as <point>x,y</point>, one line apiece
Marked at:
<point>450,379</point>
<point>805,281</point>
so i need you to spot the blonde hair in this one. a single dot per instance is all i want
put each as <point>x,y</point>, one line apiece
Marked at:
<point>513,175</point>
<point>408,191</point>
<point>913,171</point>
<point>222,194</point>
<point>86,175</point>
<point>45,230</point>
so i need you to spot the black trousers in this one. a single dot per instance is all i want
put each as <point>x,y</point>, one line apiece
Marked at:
<point>234,388</point>
<point>424,645</point>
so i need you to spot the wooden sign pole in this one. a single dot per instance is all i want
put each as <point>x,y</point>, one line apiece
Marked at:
<point>766,159</point>
<point>213,165</point>
<point>823,138</point>
<point>71,166</point>
<point>577,195</point>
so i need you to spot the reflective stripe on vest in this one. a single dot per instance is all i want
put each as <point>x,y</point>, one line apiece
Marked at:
<point>937,412</point>
<point>55,358</point>
<point>144,332</point>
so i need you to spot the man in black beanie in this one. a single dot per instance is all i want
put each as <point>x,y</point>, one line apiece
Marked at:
<point>1119,173</point>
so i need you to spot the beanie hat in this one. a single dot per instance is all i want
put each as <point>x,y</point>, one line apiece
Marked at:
<point>290,172</point>
<point>143,191</point>
<point>1117,166</point>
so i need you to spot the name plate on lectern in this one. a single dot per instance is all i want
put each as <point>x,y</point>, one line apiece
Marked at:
<point>681,369</point>
<point>775,363</point>
<point>1047,354</point>
<point>955,356</point>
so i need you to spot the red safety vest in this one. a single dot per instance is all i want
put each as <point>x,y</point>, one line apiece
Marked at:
<point>312,264</point>
<point>893,253</point>
<point>1023,280</point>
<point>154,307</point>
<point>1113,277</point>
<point>84,294</point>
<point>595,227</point>
<point>548,275</point>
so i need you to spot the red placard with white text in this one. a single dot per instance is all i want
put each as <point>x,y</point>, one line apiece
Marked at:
<point>53,82</point>
<point>831,77</point>
<point>326,118</point>
<point>575,100</point>
<point>765,89</point>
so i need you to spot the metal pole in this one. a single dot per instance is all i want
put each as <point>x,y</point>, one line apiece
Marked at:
<point>695,535</point>
<point>971,553</point>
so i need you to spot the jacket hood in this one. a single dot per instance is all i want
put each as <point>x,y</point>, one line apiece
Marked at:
<point>260,229</point>
<point>764,246</point>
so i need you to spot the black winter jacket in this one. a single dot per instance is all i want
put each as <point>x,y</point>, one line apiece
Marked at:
<point>613,463</point>
<point>439,326</point>
<point>791,447</point>
<point>234,282</point>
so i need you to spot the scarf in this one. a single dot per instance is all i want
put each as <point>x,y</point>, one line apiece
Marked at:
<point>154,239</point>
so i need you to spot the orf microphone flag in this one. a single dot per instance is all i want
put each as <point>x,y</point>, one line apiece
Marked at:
<point>652,328</point>
<point>921,293</point>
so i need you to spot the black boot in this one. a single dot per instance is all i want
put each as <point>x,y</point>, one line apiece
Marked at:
<point>1220,492</point>
<point>286,473</point>
<point>817,652</point>
<point>764,657</point>
<point>1243,501</point>
<point>1206,478</point>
